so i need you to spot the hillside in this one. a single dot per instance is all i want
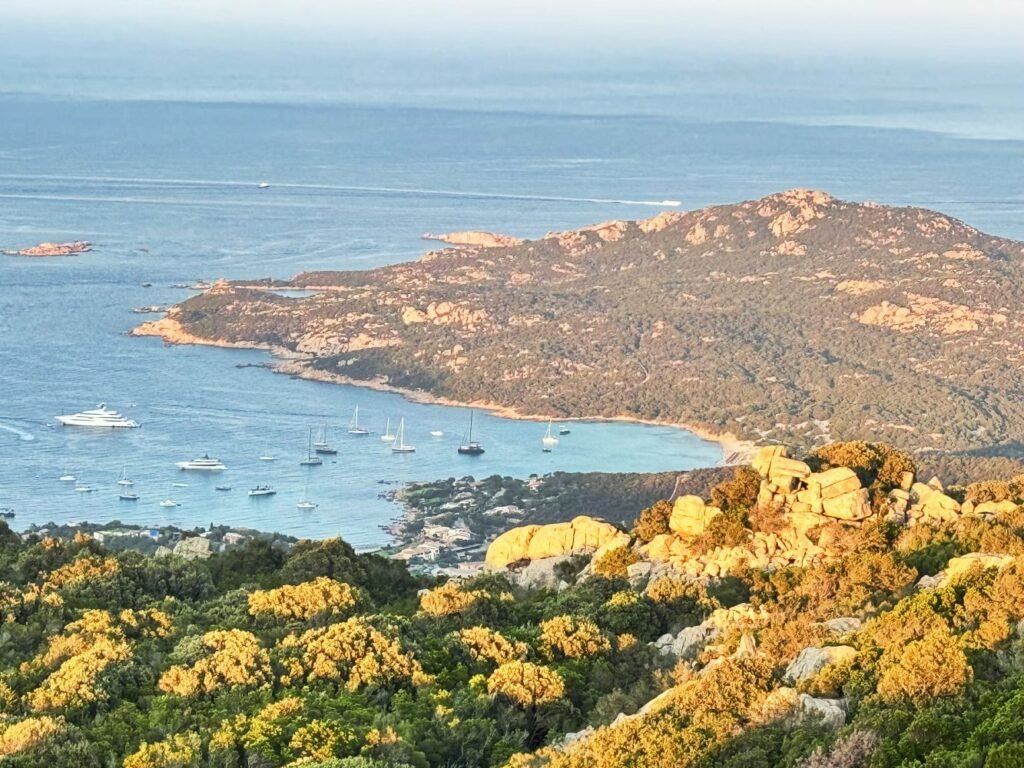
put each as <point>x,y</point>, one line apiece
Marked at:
<point>795,318</point>
<point>830,611</point>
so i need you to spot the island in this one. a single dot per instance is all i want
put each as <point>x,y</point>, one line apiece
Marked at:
<point>797,318</point>
<point>53,249</point>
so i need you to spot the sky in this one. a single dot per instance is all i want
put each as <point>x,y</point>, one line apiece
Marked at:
<point>895,29</point>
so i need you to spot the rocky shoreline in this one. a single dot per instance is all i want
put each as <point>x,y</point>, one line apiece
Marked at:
<point>734,449</point>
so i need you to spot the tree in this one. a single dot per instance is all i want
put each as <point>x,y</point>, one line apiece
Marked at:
<point>230,658</point>
<point>317,599</point>
<point>525,684</point>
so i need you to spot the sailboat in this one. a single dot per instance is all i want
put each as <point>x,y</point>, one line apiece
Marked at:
<point>322,446</point>
<point>471,447</point>
<point>124,481</point>
<point>311,460</point>
<point>127,494</point>
<point>83,487</point>
<point>67,477</point>
<point>353,425</point>
<point>305,505</point>
<point>169,501</point>
<point>267,455</point>
<point>549,441</point>
<point>387,437</point>
<point>400,446</point>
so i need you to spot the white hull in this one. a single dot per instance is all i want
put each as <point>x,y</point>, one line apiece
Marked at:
<point>188,466</point>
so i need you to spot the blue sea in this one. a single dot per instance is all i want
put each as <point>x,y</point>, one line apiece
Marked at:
<point>159,170</point>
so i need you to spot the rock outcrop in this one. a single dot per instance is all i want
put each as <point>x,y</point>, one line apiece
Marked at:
<point>54,249</point>
<point>810,661</point>
<point>474,238</point>
<point>582,535</point>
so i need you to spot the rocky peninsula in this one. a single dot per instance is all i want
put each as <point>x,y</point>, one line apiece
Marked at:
<point>796,318</point>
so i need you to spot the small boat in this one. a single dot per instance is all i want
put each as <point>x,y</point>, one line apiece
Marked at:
<point>179,485</point>
<point>672,203</point>
<point>436,433</point>
<point>222,488</point>
<point>84,488</point>
<point>263,185</point>
<point>353,425</point>
<point>262,490</point>
<point>323,447</point>
<point>305,505</point>
<point>67,477</point>
<point>400,446</point>
<point>470,447</point>
<point>6,513</point>
<point>564,430</point>
<point>311,460</point>
<point>387,437</point>
<point>203,464</point>
<point>100,416</point>
<point>549,441</point>
<point>267,455</point>
<point>127,495</point>
<point>124,481</point>
<point>169,503</point>
<point>146,285</point>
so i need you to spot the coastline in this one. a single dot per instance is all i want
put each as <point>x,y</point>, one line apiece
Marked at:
<point>735,450</point>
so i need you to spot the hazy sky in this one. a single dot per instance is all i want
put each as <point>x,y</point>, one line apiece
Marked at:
<point>933,28</point>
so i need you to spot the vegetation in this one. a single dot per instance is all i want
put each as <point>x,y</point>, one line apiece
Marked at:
<point>318,656</point>
<point>794,318</point>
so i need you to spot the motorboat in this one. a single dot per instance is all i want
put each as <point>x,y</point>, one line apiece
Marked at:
<point>353,425</point>
<point>436,433</point>
<point>222,488</point>
<point>127,495</point>
<point>84,488</point>
<point>470,447</point>
<point>564,430</point>
<point>169,503</point>
<point>7,513</point>
<point>263,185</point>
<point>100,417</point>
<point>262,490</point>
<point>203,464</point>
<point>399,445</point>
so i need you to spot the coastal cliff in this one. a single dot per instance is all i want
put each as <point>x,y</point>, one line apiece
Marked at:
<point>796,318</point>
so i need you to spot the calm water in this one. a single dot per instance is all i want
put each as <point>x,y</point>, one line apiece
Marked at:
<point>166,191</point>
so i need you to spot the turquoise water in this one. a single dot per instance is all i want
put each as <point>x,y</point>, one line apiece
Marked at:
<point>165,188</point>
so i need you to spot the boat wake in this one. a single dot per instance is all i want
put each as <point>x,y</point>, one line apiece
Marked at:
<point>23,434</point>
<point>128,180</point>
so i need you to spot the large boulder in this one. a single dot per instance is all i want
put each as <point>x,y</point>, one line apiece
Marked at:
<point>810,661</point>
<point>853,505</point>
<point>582,535</point>
<point>194,548</point>
<point>987,508</point>
<point>833,482</point>
<point>690,516</point>
<point>958,566</point>
<point>830,712</point>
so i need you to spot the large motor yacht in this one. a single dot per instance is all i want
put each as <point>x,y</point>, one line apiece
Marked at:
<point>100,416</point>
<point>204,464</point>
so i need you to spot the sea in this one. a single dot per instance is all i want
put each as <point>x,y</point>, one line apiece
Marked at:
<point>158,167</point>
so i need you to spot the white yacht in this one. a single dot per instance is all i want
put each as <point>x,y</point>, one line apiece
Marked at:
<point>267,456</point>
<point>436,433</point>
<point>202,464</point>
<point>262,490</point>
<point>67,477</point>
<point>124,482</point>
<point>169,503</point>
<point>263,185</point>
<point>84,488</point>
<point>353,425</point>
<point>399,445</point>
<point>387,437</point>
<point>100,416</point>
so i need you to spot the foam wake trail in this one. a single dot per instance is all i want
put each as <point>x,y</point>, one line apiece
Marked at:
<point>23,434</point>
<point>346,188</point>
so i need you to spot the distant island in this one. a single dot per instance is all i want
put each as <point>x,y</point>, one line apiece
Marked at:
<point>53,249</point>
<point>796,318</point>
